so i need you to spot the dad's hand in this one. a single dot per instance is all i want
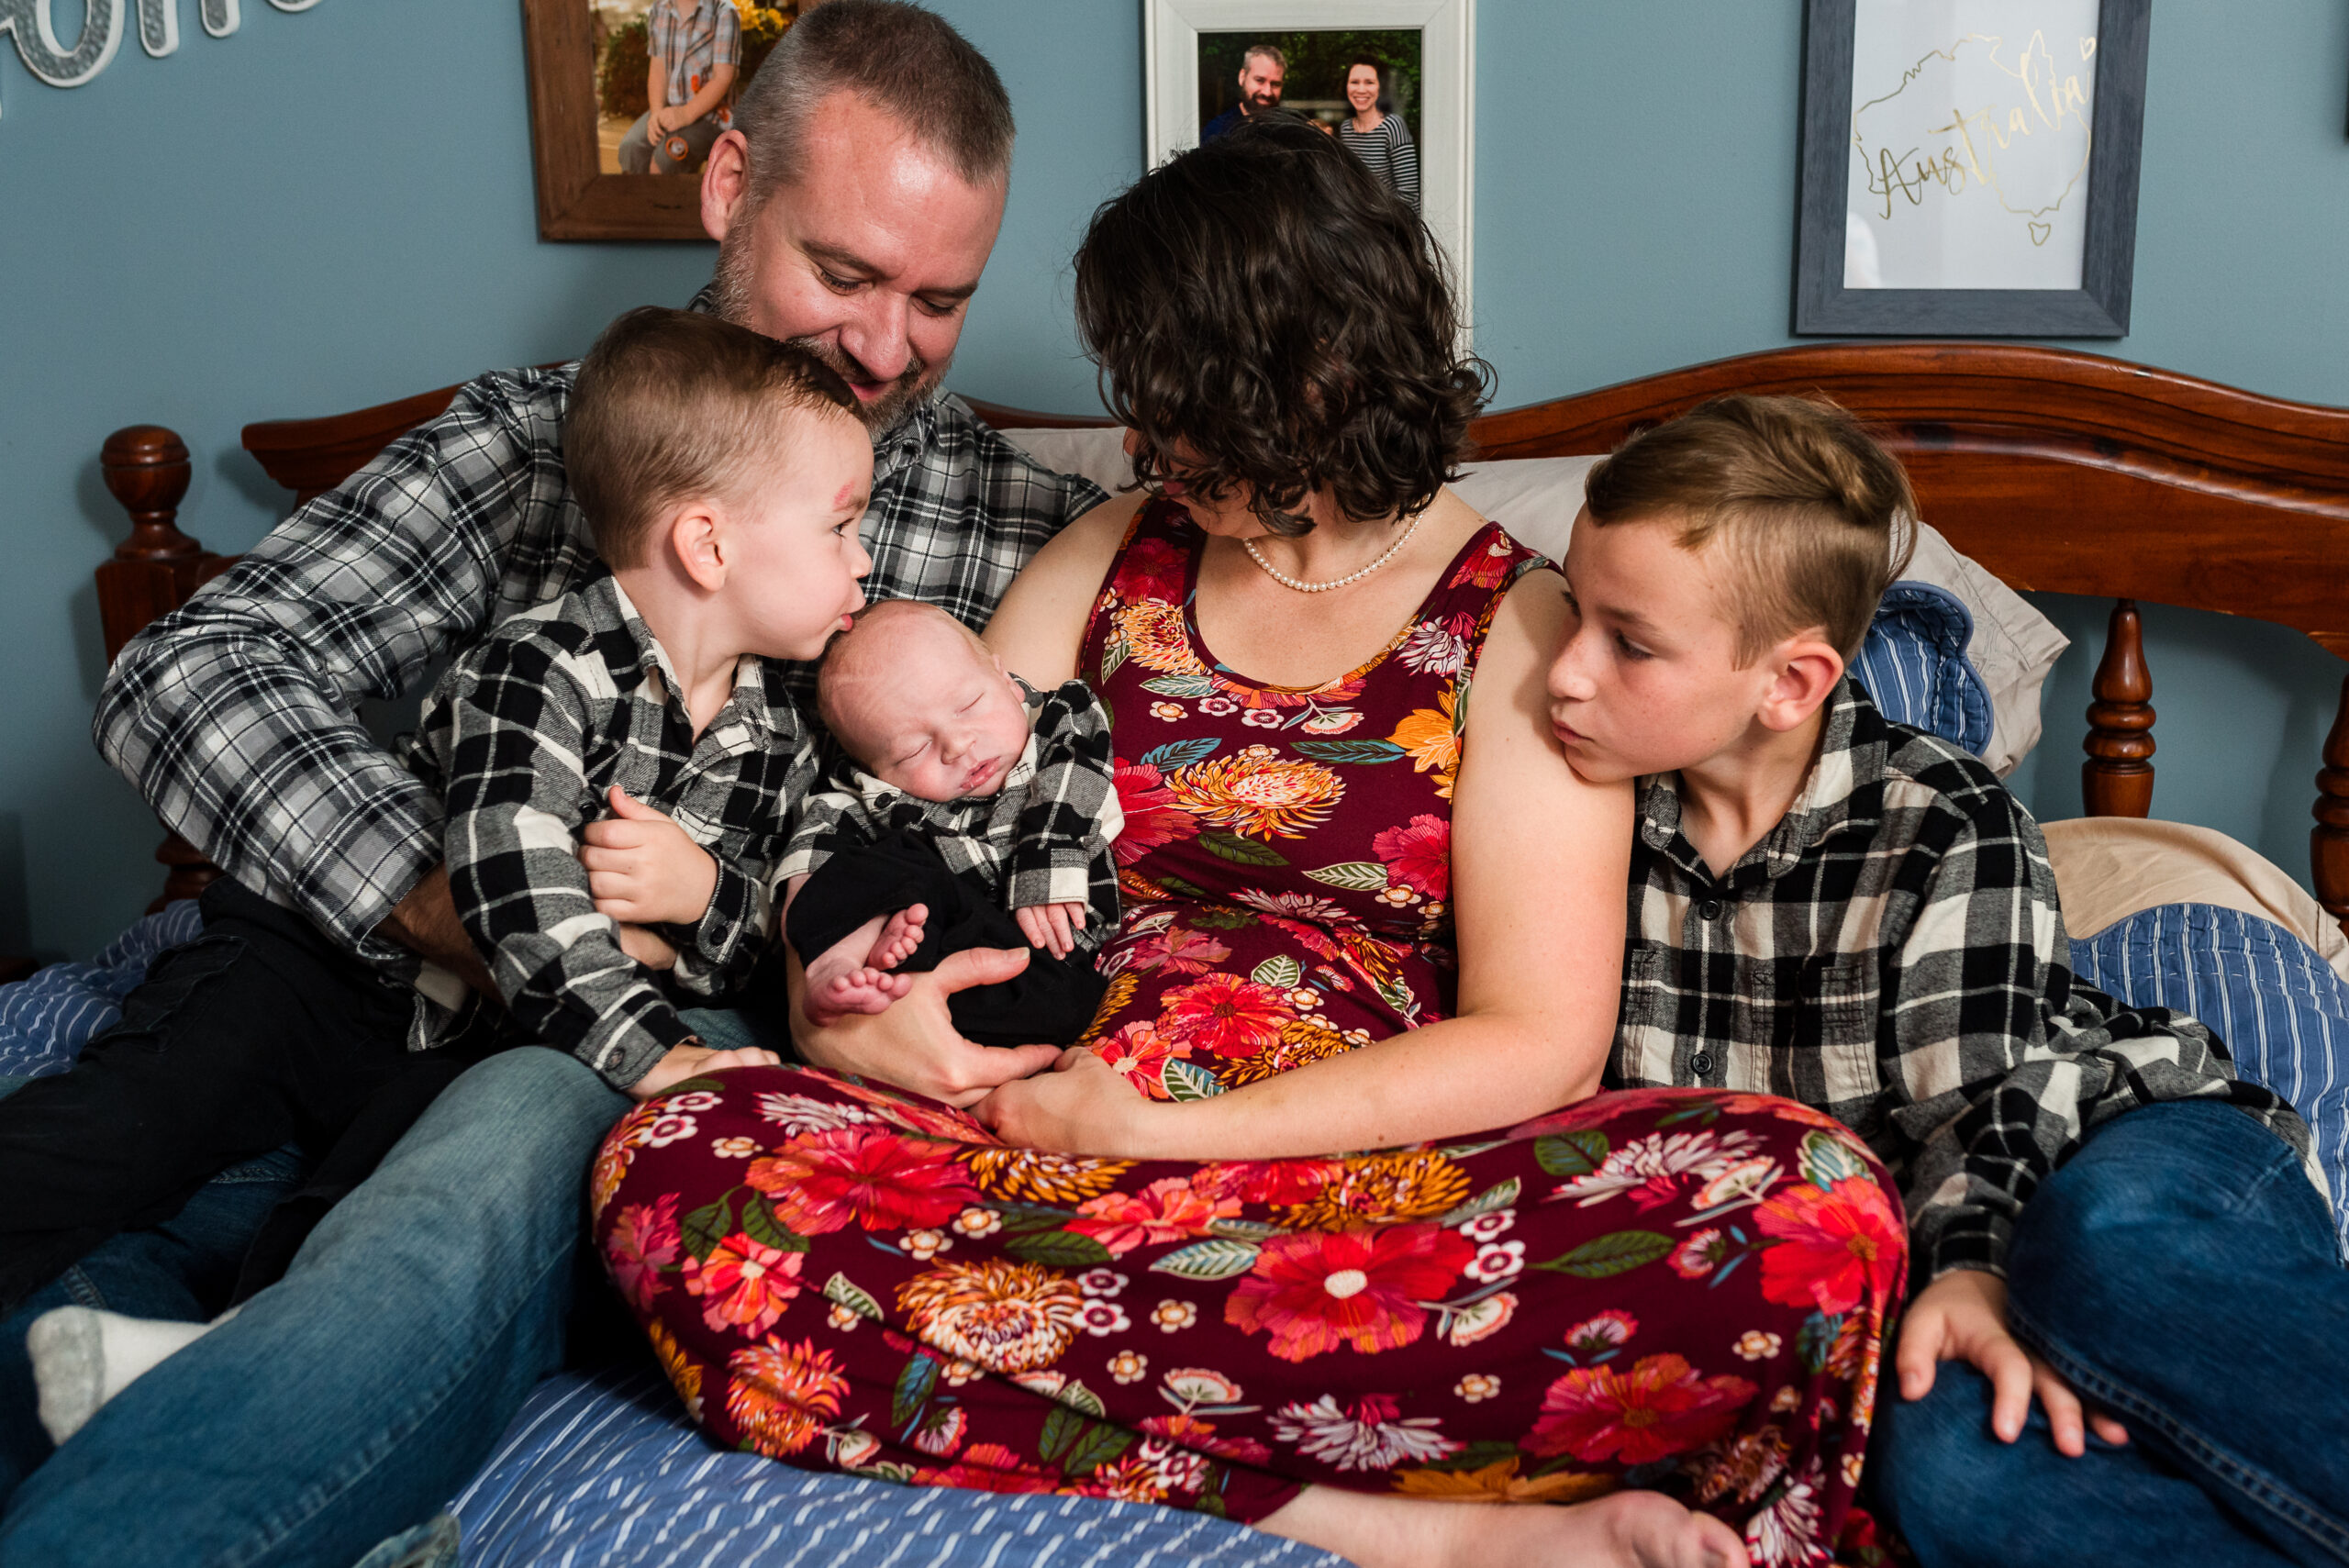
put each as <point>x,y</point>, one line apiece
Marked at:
<point>914,1045</point>
<point>426,923</point>
<point>1082,1106</point>
<point>642,868</point>
<point>685,1061</point>
<point>1963,1316</point>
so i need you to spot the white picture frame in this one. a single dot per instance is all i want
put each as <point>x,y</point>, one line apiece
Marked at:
<point>1171,31</point>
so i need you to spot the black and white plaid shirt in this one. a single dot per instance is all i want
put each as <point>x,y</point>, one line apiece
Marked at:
<point>1892,953</point>
<point>235,716</point>
<point>1044,837</point>
<point>523,737</point>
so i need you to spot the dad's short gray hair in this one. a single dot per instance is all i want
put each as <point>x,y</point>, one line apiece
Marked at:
<point>904,59</point>
<point>1271,52</point>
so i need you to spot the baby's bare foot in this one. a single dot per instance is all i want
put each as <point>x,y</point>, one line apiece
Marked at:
<point>858,991</point>
<point>898,938</point>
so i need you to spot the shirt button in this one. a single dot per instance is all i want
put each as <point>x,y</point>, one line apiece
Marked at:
<point>1710,909</point>
<point>1701,1064</point>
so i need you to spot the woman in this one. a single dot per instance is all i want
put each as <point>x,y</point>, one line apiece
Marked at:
<point>1380,139</point>
<point>1358,918</point>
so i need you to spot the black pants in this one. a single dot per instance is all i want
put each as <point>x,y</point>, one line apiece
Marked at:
<point>259,1033</point>
<point>1050,1002</point>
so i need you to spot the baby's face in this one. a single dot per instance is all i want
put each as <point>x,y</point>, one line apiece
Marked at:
<point>929,713</point>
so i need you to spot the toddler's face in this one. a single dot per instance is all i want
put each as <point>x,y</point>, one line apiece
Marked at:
<point>930,713</point>
<point>1647,680</point>
<point>797,559</point>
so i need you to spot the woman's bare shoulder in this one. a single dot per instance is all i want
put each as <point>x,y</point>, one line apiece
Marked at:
<point>1037,628</point>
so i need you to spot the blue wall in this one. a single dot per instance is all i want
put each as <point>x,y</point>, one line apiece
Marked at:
<point>333,208</point>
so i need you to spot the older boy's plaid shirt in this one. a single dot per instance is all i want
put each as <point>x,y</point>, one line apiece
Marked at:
<point>236,715</point>
<point>1892,953</point>
<point>1044,837</point>
<point>522,738</point>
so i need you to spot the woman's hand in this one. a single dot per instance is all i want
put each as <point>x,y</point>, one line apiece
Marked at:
<point>914,1045</point>
<point>1082,1106</point>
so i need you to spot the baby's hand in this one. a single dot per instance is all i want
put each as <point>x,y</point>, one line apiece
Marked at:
<point>692,1060</point>
<point>1051,926</point>
<point>642,869</point>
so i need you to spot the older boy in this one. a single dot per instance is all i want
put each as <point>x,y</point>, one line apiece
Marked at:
<point>1849,912</point>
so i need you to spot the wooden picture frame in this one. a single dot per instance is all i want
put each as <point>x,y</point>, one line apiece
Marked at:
<point>2097,308</point>
<point>576,199</point>
<point>1447,114</point>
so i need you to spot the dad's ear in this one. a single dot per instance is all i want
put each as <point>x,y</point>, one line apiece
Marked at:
<point>724,182</point>
<point>1806,669</point>
<point>696,540</point>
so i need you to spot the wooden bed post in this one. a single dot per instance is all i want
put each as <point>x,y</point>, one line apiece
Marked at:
<point>152,573</point>
<point>2329,844</point>
<point>2118,778</point>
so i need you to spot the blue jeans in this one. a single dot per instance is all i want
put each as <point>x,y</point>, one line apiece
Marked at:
<point>355,1397</point>
<point>2180,1273</point>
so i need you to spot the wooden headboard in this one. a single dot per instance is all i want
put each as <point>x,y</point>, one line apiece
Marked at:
<point>2062,472</point>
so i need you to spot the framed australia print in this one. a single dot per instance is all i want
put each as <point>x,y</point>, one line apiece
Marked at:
<point>1969,167</point>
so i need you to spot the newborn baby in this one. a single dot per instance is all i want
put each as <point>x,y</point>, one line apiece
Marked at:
<point>978,812</point>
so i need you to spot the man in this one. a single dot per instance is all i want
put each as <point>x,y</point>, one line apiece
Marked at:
<point>855,202</point>
<point>1262,71</point>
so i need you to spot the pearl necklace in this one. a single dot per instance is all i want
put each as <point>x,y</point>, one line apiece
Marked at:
<point>1286,581</point>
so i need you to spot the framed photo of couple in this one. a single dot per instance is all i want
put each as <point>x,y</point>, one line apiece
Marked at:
<point>1207,61</point>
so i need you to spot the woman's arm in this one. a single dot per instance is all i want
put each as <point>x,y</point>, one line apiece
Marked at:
<point>1539,861</point>
<point>1037,628</point>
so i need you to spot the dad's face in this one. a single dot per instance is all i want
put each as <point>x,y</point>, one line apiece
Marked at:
<point>1260,84</point>
<point>868,260</point>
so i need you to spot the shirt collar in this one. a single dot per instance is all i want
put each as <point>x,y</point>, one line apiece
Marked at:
<point>751,702</point>
<point>1843,789</point>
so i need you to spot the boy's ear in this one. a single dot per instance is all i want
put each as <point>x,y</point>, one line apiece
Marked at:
<point>697,538</point>
<point>1807,667</point>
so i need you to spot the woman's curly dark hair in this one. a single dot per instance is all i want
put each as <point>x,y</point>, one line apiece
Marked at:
<point>1264,303</point>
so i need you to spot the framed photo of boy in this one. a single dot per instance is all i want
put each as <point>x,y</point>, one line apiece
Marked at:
<point>1209,63</point>
<point>626,98</point>
<point>1969,167</point>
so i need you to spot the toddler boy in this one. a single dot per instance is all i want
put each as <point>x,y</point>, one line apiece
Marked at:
<point>723,476</point>
<point>977,811</point>
<point>1858,915</point>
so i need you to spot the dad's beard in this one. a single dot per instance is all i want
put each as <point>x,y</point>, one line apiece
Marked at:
<point>732,288</point>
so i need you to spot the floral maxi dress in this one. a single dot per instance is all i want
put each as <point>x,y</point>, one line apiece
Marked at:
<point>1679,1289</point>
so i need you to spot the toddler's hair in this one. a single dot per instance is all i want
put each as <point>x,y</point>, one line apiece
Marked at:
<point>672,404</point>
<point>1817,516</point>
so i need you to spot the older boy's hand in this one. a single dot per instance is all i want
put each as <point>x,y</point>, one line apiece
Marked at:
<point>685,1061</point>
<point>647,946</point>
<point>914,1045</point>
<point>643,869</point>
<point>1963,1316</point>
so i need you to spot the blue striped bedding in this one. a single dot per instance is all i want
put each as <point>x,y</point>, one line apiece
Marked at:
<point>602,1471</point>
<point>2281,1009</point>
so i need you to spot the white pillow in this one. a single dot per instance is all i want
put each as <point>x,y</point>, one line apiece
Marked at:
<point>2013,645</point>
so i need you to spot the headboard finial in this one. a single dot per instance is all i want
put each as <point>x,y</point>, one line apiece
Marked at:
<point>147,470</point>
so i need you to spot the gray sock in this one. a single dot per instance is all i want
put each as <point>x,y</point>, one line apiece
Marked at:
<point>82,1357</point>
